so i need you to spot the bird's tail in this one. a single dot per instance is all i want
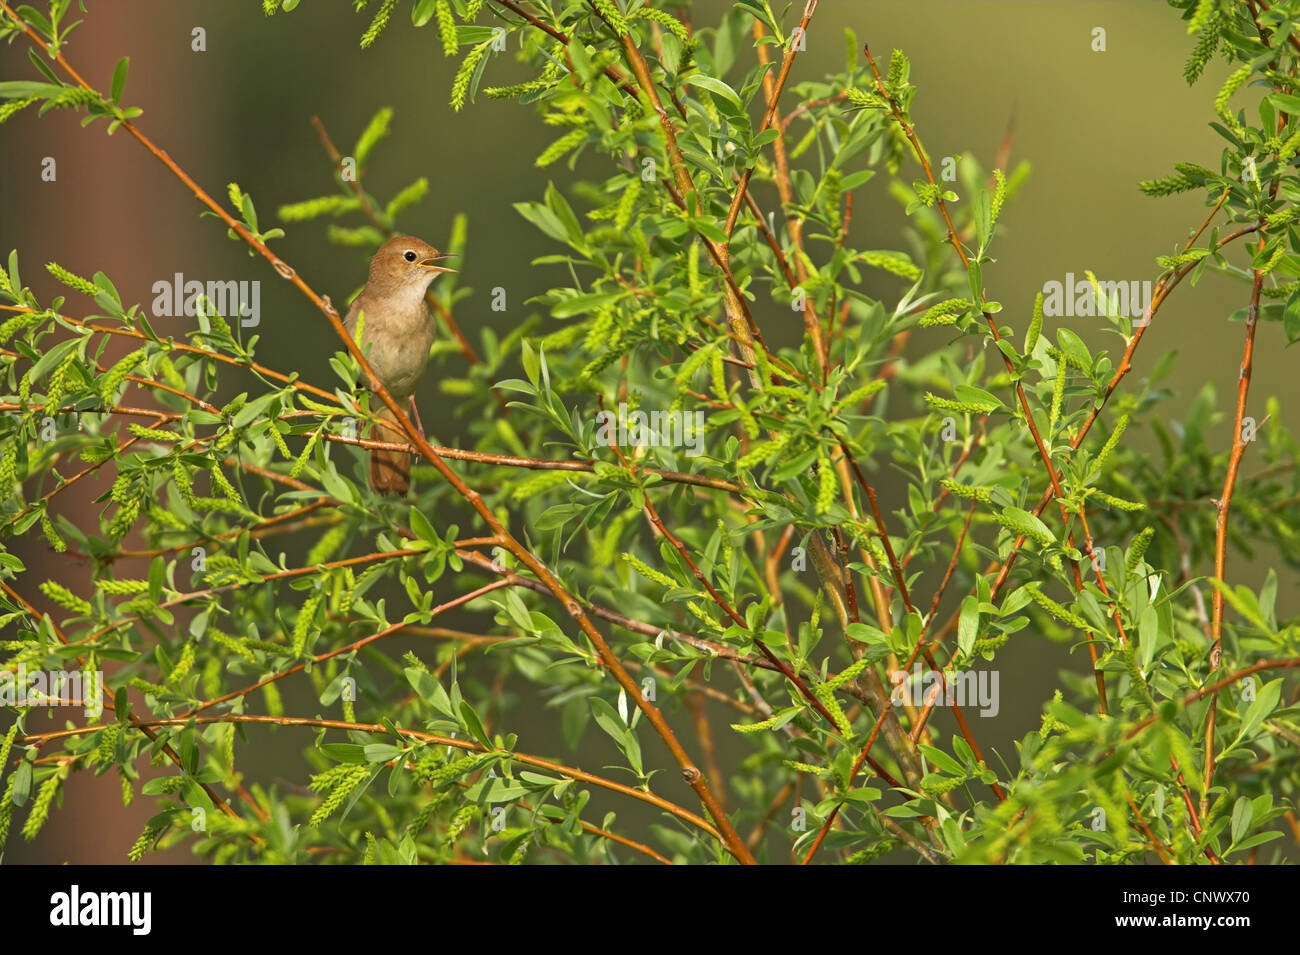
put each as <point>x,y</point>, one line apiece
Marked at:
<point>390,471</point>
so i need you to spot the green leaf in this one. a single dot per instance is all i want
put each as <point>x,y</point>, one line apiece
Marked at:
<point>474,724</point>
<point>119,78</point>
<point>1259,710</point>
<point>716,87</point>
<point>939,758</point>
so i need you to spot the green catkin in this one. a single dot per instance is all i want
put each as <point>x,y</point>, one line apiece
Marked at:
<point>64,597</point>
<point>345,784</point>
<point>446,27</point>
<point>20,323</point>
<point>1138,549</point>
<point>303,458</point>
<point>106,747</point>
<point>328,780</point>
<point>128,791</point>
<point>8,472</point>
<point>989,644</point>
<point>755,727</point>
<point>827,698</point>
<point>799,767</point>
<point>271,695</point>
<point>1118,503</point>
<point>13,107</point>
<point>1234,82</point>
<point>898,70</point>
<point>1024,528</point>
<point>847,675</point>
<point>6,810</point>
<point>1169,186</point>
<point>463,817</point>
<point>153,434</point>
<point>1058,394</point>
<point>561,147</point>
<point>664,19</point>
<point>113,378</point>
<point>1202,16</point>
<point>804,144</point>
<point>1129,654</point>
<point>280,443</point>
<point>945,313</point>
<point>146,841</point>
<point>59,382</point>
<point>935,784</point>
<point>1183,258</point>
<point>122,588</point>
<point>718,376</point>
<point>144,686</point>
<point>871,852</point>
<point>183,666</point>
<point>1035,325</point>
<point>426,813</point>
<point>1274,258</point>
<point>41,807</point>
<point>407,198</point>
<point>612,15</point>
<point>314,208</point>
<point>72,281</point>
<point>893,263</point>
<point>328,545</point>
<point>518,89</point>
<point>1056,610</point>
<point>5,746</point>
<point>999,195</point>
<point>227,489</point>
<point>377,25</point>
<point>627,204</point>
<point>124,519</point>
<point>967,491</point>
<point>867,99</point>
<point>306,617</point>
<point>958,407</point>
<point>184,483</point>
<point>460,86</point>
<point>51,534</point>
<point>1120,425</point>
<point>765,449</point>
<point>826,486</point>
<point>450,771</point>
<point>648,572</point>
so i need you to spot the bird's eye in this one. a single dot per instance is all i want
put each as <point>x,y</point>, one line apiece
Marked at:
<point>408,255</point>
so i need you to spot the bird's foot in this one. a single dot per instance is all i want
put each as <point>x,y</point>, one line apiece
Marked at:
<point>415,416</point>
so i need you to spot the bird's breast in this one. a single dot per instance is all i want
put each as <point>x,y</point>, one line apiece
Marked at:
<point>396,342</point>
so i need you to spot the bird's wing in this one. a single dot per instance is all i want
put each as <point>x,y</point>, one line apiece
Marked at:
<point>350,323</point>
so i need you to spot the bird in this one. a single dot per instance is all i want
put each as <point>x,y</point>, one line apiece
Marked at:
<point>396,334</point>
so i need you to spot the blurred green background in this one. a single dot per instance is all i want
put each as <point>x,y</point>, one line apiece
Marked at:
<point>1091,124</point>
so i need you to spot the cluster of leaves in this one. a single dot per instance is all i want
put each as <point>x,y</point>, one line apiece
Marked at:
<point>758,574</point>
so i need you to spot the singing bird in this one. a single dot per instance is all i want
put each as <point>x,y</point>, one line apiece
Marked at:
<point>396,336</point>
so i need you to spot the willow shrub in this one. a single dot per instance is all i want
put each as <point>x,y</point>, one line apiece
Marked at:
<point>740,588</point>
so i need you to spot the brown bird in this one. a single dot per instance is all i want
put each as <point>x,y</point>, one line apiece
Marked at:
<point>395,338</point>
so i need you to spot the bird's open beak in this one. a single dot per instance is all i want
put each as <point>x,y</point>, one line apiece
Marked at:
<point>431,262</point>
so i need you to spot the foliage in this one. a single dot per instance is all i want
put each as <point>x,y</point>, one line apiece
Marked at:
<point>621,581</point>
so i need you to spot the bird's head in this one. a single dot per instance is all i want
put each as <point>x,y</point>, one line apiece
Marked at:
<point>407,262</point>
